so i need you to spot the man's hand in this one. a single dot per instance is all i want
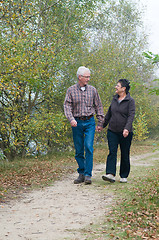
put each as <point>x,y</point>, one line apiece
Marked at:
<point>73,123</point>
<point>99,129</point>
<point>125,133</point>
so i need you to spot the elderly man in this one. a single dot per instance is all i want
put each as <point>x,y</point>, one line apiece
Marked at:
<point>81,103</point>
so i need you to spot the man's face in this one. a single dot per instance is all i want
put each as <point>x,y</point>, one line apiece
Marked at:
<point>84,79</point>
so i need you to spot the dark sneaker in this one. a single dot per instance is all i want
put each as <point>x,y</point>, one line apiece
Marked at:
<point>109,178</point>
<point>87,180</point>
<point>80,179</point>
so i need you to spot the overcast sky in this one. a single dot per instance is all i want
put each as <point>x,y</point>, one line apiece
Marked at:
<point>151,22</point>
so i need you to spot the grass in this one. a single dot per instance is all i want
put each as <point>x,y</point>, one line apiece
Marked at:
<point>134,212</point>
<point>24,174</point>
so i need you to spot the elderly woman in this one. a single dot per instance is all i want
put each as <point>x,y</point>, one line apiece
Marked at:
<point>120,117</point>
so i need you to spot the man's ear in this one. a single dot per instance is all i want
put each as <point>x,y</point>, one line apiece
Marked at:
<point>79,77</point>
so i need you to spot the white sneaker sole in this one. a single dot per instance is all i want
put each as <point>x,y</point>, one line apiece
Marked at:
<point>108,179</point>
<point>123,181</point>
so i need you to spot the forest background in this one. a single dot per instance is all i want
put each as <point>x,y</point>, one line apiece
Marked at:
<point>42,44</point>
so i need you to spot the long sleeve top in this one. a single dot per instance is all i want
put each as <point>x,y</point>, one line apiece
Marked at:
<point>80,103</point>
<point>120,115</point>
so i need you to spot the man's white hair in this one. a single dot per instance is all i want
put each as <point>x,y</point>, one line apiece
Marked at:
<point>81,70</point>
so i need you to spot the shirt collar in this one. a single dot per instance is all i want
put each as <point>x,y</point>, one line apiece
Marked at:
<point>126,98</point>
<point>81,87</point>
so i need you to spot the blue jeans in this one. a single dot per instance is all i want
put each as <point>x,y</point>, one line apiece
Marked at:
<point>83,137</point>
<point>113,140</point>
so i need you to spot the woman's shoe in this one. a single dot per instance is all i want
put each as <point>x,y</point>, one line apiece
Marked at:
<point>109,178</point>
<point>123,180</point>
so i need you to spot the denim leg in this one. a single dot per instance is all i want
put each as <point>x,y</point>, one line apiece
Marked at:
<point>125,144</point>
<point>113,140</point>
<point>78,138</point>
<point>89,130</point>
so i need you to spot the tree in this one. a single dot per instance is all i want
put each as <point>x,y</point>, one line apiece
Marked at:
<point>43,42</point>
<point>154,58</point>
<point>117,53</point>
<point>39,39</point>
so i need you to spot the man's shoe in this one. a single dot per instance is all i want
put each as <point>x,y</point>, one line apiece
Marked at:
<point>123,180</point>
<point>87,180</point>
<point>109,178</point>
<point>80,179</point>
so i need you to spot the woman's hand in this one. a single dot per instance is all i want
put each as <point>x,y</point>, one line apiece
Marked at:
<point>99,129</point>
<point>125,133</point>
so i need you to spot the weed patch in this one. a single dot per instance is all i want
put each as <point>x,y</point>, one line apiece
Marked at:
<point>135,214</point>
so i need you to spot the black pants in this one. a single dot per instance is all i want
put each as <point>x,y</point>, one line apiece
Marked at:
<point>115,139</point>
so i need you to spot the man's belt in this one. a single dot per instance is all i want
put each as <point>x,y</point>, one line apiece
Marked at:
<point>84,117</point>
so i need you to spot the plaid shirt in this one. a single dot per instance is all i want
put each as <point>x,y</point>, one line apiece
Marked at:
<point>80,103</point>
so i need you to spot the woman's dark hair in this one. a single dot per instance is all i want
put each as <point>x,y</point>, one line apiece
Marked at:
<point>125,83</point>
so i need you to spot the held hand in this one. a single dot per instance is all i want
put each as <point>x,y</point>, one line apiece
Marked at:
<point>125,133</point>
<point>99,129</point>
<point>73,123</point>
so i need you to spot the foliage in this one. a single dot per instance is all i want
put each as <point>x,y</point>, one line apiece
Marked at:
<point>38,41</point>
<point>42,44</point>
<point>119,56</point>
<point>154,58</point>
<point>140,127</point>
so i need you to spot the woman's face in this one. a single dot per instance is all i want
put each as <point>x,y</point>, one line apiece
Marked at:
<point>119,88</point>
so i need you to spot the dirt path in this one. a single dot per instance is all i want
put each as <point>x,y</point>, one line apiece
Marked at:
<point>58,211</point>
